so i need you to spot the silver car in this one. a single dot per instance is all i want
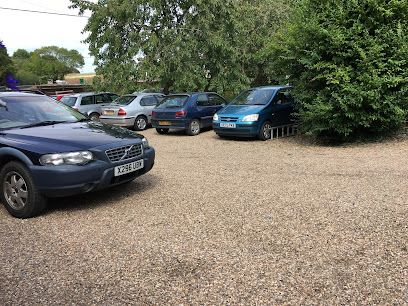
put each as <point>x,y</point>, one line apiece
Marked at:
<point>134,110</point>
<point>89,103</point>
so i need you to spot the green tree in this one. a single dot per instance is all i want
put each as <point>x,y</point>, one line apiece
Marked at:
<point>6,64</point>
<point>46,63</point>
<point>348,61</point>
<point>182,45</point>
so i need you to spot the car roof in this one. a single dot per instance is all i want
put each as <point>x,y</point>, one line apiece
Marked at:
<point>193,93</point>
<point>276,87</point>
<point>18,94</point>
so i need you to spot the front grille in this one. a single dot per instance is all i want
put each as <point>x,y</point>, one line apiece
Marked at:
<point>229,119</point>
<point>125,153</point>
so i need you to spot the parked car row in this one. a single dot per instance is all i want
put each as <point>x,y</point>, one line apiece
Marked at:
<point>251,114</point>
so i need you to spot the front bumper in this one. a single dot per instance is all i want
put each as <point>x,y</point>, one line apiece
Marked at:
<point>61,181</point>
<point>123,122</point>
<point>250,129</point>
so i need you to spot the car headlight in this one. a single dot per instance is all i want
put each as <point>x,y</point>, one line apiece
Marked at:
<point>215,118</point>
<point>145,143</point>
<point>71,158</point>
<point>251,118</point>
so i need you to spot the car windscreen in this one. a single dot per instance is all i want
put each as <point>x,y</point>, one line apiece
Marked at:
<point>254,97</point>
<point>69,101</point>
<point>21,111</point>
<point>124,100</point>
<point>173,102</point>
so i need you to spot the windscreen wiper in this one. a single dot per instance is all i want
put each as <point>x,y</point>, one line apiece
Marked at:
<point>42,123</point>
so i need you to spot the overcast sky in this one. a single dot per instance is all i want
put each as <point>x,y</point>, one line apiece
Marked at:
<point>32,30</point>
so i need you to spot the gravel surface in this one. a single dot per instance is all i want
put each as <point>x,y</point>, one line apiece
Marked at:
<point>223,222</point>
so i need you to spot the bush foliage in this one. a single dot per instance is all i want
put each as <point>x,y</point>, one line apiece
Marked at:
<point>348,62</point>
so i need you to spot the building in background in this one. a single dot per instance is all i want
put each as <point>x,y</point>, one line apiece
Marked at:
<point>80,78</point>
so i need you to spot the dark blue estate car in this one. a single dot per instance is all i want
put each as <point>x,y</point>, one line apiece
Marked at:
<point>50,150</point>
<point>190,112</point>
<point>254,112</point>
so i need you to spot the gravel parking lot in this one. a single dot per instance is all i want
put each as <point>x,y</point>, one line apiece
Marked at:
<point>223,222</point>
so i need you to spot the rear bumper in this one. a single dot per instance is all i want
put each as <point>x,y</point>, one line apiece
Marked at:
<point>242,130</point>
<point>67,180</point>
<point>124,122</point>
<point>178,124</point>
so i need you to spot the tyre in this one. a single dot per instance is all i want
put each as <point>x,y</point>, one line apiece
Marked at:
<point>265,131</point>
<point>94,116</point>
<point>140,123</point>
<point>194,128</point>
<point>162,131</point>
<point>18,192</point>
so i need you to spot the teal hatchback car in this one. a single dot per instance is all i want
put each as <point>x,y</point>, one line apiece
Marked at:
<point>254,112</point>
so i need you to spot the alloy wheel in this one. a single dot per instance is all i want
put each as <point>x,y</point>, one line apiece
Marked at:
<point>141,123</point>
<point>267,130</point>
<point>195,127</point>
<point>15,190</point>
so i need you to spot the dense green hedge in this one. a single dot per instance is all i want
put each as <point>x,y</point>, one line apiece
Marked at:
<point>348,60</point>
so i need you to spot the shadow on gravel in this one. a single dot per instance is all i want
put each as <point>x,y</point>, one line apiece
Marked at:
<point>101,198</point>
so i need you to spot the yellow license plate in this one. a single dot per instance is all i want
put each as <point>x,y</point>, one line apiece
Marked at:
<point>109,112</point>
<point>164,123</point>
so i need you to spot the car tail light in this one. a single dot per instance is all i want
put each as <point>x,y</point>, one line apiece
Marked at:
<point>121,112</point>
<point>182,113</point>
<point>59,98</point>
<point>153,114</point>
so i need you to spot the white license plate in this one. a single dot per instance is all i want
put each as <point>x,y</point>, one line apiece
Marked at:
<point>128,168</point>
<point>228,125</point>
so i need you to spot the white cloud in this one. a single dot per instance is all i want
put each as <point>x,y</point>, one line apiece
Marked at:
<point>33,30</point>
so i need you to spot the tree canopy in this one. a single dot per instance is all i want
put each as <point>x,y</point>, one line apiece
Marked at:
<point>46,63</point>
<point>181,44</point>
<point>6,65</point>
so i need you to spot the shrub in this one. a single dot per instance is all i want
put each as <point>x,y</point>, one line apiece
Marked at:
<point>348,61</point>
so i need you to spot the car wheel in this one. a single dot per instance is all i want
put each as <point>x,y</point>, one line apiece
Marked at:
<point>162,131</point>
<point>265,131</point>
<point>19,194</point>
<point>140,123</point>
<point>94,116</point>
<point>194,128</point>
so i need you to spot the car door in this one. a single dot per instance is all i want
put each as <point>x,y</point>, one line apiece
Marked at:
<point>204,110</point>
<point>217,102</point>
<point>147,104</point>
<point>282,107</point>
<point>87,104</point>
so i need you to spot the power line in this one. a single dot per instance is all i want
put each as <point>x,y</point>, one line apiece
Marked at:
<point>42,12</point>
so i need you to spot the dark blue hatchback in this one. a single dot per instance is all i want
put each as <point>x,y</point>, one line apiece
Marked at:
<point>190,112</point>
<point>50,150</point>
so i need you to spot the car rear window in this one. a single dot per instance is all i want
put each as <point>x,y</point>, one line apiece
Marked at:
<point>69,101</point>
<point>173,102</point>
<point>125,100</point>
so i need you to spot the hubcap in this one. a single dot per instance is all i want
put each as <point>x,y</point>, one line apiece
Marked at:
<point>195,127</point>
<point>267,131</point>
<point>15,190</point>
<point>141,123</point>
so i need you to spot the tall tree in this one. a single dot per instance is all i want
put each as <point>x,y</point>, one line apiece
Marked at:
<point>348,62</point>
<point>46,63</point>
<point>6,65</point>
<point>181,44</point>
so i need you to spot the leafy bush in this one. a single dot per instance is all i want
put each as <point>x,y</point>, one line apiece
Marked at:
<point>348,61</point>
